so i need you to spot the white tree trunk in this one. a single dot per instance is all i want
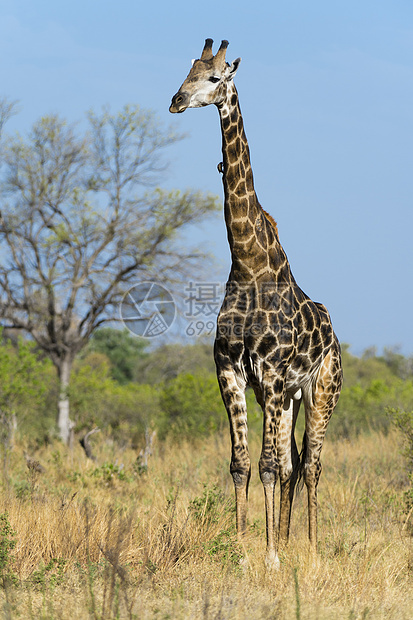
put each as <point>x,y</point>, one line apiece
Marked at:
<point>63,421</point>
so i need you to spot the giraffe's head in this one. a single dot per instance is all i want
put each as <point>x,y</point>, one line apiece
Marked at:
<point>207,80</point>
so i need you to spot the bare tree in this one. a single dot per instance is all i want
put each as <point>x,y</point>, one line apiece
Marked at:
<point>7,109</point>
<point>76,228</point>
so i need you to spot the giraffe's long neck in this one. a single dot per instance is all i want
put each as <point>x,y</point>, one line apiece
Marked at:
<point>244,216</point>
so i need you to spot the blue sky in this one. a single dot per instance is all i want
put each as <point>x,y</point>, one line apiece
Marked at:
<point>326,91</point>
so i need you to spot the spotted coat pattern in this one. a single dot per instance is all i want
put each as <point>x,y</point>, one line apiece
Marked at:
<point>270,334</point>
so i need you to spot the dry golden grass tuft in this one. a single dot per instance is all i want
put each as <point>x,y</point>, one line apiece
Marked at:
<point>110,540</point>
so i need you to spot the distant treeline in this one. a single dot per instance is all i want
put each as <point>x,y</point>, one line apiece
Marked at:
<point>124,389</point>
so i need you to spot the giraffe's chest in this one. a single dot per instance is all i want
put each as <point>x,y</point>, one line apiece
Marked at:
<point>252,338</point>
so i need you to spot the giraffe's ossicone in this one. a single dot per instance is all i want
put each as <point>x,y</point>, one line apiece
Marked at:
<point>270,334</point>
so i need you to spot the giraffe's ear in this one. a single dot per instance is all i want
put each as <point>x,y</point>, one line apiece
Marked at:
<point>234,68</point>
<point>192,62</point>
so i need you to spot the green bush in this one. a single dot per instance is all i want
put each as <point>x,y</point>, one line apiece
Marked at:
<point>125,353</point>
<point>27,388</point>
<point>191,406</point>
<point>403,420</point>
<point>174,391</point>
<point>98,400</point>
<point>362,408</point>
<point>209,507</point>
<point>7,544</point>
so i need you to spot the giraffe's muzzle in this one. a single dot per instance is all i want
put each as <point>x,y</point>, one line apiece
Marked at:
<point>179,102</point>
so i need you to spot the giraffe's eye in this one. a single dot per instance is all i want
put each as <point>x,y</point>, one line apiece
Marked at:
<point>214,79</point>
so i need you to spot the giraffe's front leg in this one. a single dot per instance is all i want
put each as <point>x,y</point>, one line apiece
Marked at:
<point>233,396</point>
<point>269,480</point>
<point>268,463</point>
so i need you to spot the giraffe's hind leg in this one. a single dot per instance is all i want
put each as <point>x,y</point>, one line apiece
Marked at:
<point>234,400</point>
<point>289,462</point>
<point>268,464</point>
<point>318,409</point>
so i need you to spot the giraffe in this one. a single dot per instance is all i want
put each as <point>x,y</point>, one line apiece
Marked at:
<point>270,335</point>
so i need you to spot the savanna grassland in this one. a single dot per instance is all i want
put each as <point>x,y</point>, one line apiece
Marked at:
<point>114,536</point>
<point>112,541</point>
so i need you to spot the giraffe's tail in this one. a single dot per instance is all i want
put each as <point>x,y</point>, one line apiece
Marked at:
<point>302,455</point>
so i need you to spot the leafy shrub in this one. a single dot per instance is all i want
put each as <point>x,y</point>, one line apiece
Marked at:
<point>7,544</point>
<point>210,506</point>
<point>191,406</point>
<point>26,385</point>
<point>124,352</point>
<point>403,420</point>
<point>224,548</point>
<point>209,510</point>
<point>50,574</point>
<point>362,408</point>
<point>110,471</point>
<point>98,400</point>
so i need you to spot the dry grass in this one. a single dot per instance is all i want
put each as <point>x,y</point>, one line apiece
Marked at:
<point>112,542</point>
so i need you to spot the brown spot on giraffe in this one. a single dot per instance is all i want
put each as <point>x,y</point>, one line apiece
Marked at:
<point>270,334</point>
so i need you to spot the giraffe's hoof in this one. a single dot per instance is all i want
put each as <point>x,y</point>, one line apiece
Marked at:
<point>272,562</point>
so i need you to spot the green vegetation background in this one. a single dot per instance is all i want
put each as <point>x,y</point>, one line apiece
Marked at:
<point>124,389</point>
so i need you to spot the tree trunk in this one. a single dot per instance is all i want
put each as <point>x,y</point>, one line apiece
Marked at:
<point>63,421</point>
